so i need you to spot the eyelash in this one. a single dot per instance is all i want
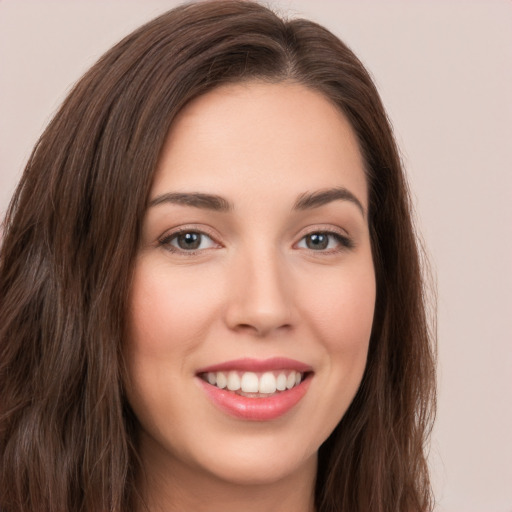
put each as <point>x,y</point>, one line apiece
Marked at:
<point>344,241</point>
<point>167,240</point>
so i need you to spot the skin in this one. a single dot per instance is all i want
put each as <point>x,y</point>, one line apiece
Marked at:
<point>254,288</point>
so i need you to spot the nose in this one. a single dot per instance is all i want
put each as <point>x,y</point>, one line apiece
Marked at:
<point>260,296</point>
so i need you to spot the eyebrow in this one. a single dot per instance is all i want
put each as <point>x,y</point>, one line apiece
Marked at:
<point>194,199</point>
<point>305,201</point>
<point>319,198</point>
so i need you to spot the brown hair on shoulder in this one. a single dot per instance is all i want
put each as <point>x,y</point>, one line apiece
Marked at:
<point>67,435</point>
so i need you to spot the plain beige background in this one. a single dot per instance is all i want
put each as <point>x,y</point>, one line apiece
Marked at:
<point>444,70</point>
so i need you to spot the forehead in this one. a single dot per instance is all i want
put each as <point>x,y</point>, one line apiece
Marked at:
<point>263,137</point>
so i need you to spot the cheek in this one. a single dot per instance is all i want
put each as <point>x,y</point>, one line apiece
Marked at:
<point>340,316</point>
<point>168,320</point>
<point>342,310</point>
<point>346,304</point>
<point>170,312</point>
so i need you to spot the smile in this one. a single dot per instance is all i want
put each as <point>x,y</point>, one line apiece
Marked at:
<point>256,390</point>
<point>254,384</point>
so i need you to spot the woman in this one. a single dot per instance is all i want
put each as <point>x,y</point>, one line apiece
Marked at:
<point>210,287</point>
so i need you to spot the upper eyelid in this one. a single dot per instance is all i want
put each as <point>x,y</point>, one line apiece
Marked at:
<point>322,228</point>
<point>170,233</point>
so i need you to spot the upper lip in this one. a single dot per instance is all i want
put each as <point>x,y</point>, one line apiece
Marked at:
<point>258,365</point>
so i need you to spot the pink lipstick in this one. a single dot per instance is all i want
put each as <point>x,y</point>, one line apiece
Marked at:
<point>258,390</point>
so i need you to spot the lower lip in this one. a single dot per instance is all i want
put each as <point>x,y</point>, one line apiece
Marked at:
<point>256,409</point>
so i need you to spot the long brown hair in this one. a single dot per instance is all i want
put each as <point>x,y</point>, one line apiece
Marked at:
<point>67,435</point>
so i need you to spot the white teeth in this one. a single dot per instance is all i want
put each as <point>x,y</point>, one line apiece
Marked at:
<point>233,381</point>
<point>249,382</point>
<point>222,381</point>
<point>290,381</point>
<point>281,382</point>
<point>267,383</point>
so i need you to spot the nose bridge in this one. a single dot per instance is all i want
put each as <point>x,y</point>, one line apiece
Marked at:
<point>261,291</point>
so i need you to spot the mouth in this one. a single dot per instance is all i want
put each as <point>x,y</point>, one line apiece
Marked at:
<point>255,384</point>
<point>256,390</point>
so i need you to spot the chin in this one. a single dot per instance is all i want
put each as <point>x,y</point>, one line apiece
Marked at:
<point>243,471</point>
<point>258,462</point>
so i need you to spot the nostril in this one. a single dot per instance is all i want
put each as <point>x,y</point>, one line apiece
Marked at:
<point>261,329</point>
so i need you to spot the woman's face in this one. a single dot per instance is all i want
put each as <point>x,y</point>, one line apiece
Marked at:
<point>254,270</point>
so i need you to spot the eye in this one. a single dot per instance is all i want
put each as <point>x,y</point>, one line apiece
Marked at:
<point>324,241</point>
<point>187,241</point>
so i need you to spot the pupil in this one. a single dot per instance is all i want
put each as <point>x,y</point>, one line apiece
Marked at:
<point>189,241</point>
<point>317,241</point>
